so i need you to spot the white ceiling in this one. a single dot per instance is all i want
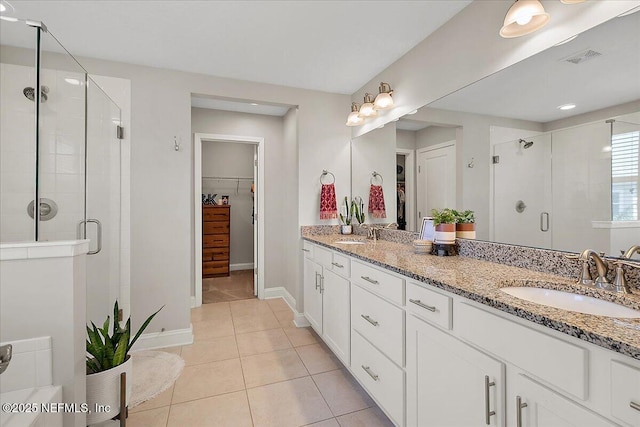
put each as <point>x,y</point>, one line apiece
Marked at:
<point>331,46</point>
<point>535,87</point>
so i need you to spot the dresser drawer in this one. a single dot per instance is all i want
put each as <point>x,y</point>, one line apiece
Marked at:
<point>382,379</point>
<point>625,393</point>
<point>429,305</point>
<point>378,281</point>
<point>341,265</point>
<point>215,254</point>
<point>215,241</point>
<point>215,213</point>
<point>380,322</point>
<point>210,268</point>
<point>215,227</point>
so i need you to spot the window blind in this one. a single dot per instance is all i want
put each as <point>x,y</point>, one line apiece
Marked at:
<point>625,180</point>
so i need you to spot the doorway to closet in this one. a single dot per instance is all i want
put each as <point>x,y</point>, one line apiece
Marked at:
<point>227,233</point>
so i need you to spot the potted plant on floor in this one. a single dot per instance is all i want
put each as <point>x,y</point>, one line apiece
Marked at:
<point>465,225</point>
<point>107,358</point>
<point>445,223</point>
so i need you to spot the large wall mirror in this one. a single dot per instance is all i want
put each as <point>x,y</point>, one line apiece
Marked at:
<point>534,173</point>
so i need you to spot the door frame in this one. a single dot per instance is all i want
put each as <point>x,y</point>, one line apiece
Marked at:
<point>410,210</point>
<point>423,150</point>
<point>198,140</point>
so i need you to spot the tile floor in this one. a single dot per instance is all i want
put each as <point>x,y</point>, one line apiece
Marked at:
<point>250,366</point>
<point>238,285</point>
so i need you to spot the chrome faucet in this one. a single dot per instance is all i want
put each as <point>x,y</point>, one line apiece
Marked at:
<point>620,284</point>
<point>601,267</point>
<point>5,357</point>
<point>373,231</point>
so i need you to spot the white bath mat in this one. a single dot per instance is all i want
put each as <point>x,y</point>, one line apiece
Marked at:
<point>153,373</point>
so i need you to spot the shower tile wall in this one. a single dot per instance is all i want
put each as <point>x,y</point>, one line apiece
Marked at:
<point>61,153</point>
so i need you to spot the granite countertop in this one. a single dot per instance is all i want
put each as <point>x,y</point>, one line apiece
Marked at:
<point>481,281</point>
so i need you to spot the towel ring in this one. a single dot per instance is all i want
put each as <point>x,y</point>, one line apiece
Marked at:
<point>325,173</point>
<point>373,177</point>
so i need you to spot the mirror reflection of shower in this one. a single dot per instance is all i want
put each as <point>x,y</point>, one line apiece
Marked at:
<point>30,93</point>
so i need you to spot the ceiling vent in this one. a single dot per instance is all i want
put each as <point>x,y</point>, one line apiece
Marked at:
<point>580,57</point>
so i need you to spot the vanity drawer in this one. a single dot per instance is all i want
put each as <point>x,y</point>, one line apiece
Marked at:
<point>555,361</point>
<point>625,393</point>
<point>378,321</point>
<point>322,256</point>
<point>307,249</point>
<point>341,265</point>
<point>429,305</point>
<point>378,281</point>
<point>382,379</point>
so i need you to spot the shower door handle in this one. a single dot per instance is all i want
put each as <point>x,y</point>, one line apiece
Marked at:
<point>544,221</point>
<point>82,235</point>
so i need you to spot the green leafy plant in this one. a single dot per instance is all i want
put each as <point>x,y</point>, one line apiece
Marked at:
<point>444,216</point>
<point>465,217</point>
<point>107,351</point>
<point>346,218</point>
<point>355,212</point>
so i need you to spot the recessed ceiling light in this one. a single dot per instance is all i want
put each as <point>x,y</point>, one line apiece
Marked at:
<point>74,82</point>
<point>567,40</point>
<point>9,18</point>
<point>566,107</point>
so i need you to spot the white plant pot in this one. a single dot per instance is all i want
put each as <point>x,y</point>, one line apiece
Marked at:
<point>103,388</point>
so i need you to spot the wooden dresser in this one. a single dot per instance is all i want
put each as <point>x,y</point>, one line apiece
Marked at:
<point>215,240</point>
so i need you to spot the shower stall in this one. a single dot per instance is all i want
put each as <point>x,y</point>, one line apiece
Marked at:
<point>60,156</point>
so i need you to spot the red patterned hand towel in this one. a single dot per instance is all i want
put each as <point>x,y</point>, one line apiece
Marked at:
<point>328,206</point>
<point>376,202</point>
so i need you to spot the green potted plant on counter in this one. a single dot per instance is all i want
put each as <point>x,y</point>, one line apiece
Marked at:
<point>107,358</point>
<point>465,224</point>
<point>445,223</point>
<point>345,217</point>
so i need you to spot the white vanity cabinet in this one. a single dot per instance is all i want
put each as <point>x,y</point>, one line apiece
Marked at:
<point>450,383</point>
<point>327,297</point>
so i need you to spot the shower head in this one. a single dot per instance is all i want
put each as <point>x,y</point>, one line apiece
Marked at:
<point>527,144</point>
<point>30,93</point>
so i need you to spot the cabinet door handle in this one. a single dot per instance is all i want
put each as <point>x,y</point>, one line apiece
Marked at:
<point>369,319</point>
<point>634,405</point>
<point>321,284</point>
<point>519,406</point>
<point>370,280</point>
<point>371,374</point>
<point>337,265</point>
<point>306,250</point>
<point>420,304</point>
<point>487,404</point>
<point>317,285</point>
<point>544,226</point>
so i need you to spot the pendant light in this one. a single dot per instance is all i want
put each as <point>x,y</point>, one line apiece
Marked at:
<point>354,119</point>
<point>367,109</point>
<point>524,17</point>
<point>384,99</point>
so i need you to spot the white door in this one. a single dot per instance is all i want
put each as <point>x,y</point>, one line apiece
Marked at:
<point>522,192</point>
<point>336,314</point>
<point>449,383</point>
<point>436,178</point>
<point>541,407</point>
<point>312,294</point>
<point>255,220</point>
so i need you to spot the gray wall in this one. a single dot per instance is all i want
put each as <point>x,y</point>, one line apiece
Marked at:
<point>406,139</point>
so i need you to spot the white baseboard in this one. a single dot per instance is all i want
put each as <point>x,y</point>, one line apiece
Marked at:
<point>243,266</point>
<point>280,292</point>
<point>299,320</point>
<point>171,338</point>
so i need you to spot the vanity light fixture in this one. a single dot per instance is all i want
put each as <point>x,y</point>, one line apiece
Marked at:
<point>384,99</point>
<point>524,17</point>
<point>354,119</point>
<point>367,109</point>
<point>566,107</point>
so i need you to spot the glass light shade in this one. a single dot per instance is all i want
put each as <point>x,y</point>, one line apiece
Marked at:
<point>354,119</point>
<point>368,110</point>
<point>383,101</point>
<point>524,17</point>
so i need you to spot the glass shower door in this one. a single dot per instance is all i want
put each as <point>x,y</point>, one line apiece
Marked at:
<point>102,224</point>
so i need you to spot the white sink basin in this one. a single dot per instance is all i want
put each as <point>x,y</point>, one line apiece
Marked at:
<point>572,302</point>
<point>349,242</point>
